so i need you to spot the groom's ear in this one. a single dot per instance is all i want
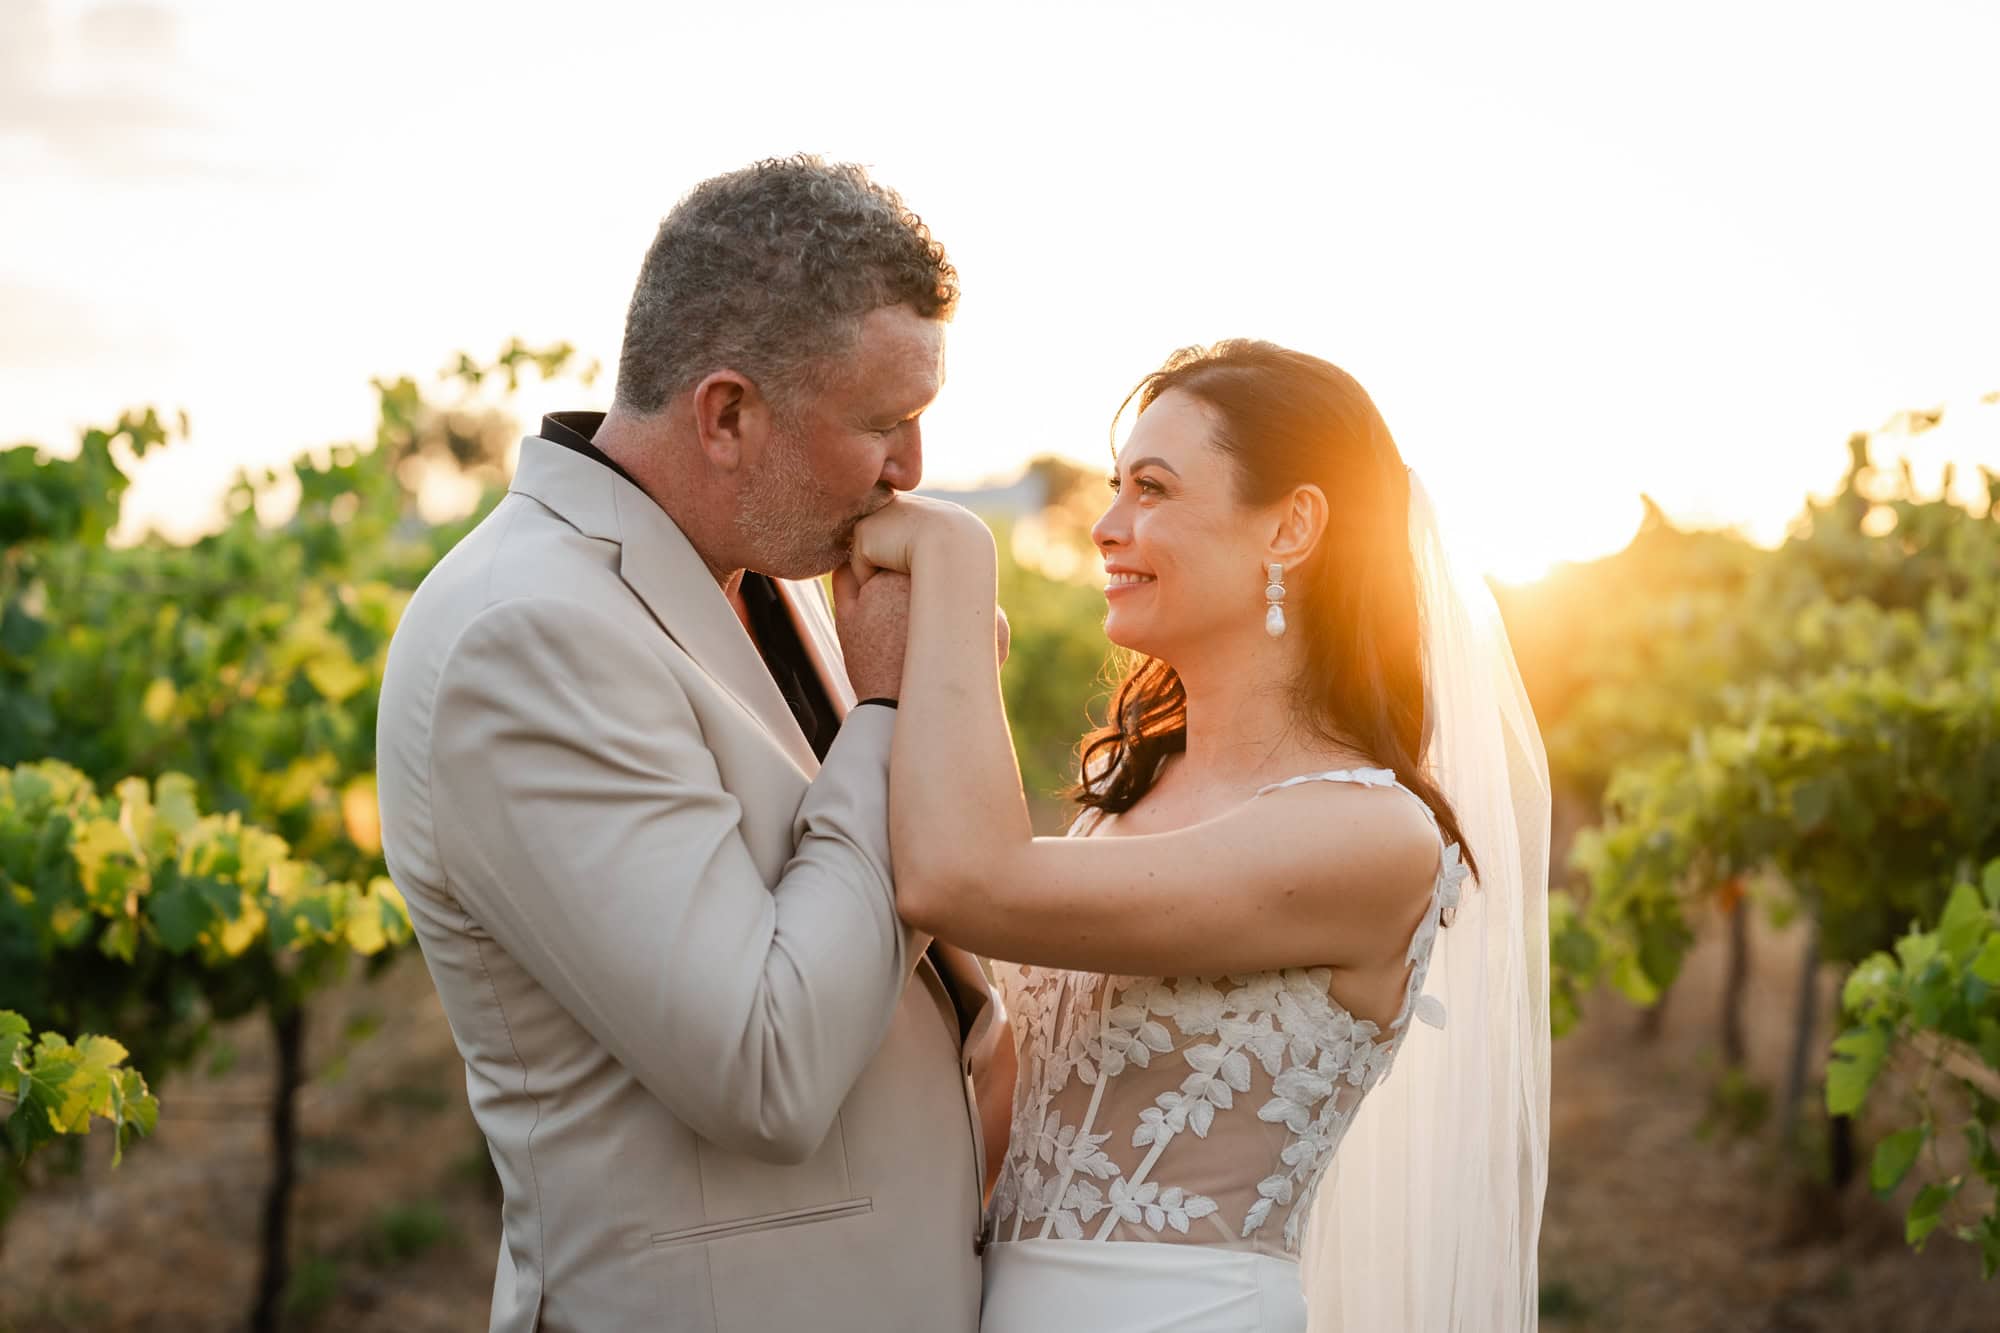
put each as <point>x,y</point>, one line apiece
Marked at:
<point>1298,524</point>
<point>731,418</point>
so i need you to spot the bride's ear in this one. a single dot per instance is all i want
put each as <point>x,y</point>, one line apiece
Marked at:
<point>1299,524</point>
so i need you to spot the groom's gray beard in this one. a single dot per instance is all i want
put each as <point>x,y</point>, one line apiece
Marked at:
<point>782,515</point>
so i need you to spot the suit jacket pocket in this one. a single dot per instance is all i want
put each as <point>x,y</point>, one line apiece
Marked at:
<point>743,1226</point>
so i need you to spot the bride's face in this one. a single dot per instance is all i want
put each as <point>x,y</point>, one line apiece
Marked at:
<point>1182,557</point>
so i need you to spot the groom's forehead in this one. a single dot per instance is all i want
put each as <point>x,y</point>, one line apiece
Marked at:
<point>899,354</point>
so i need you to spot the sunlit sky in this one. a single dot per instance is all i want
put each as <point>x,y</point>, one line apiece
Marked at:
<point>1577,252</point>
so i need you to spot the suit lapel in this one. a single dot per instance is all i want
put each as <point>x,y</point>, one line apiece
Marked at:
<point>657,563</point>
<point>663,571</point>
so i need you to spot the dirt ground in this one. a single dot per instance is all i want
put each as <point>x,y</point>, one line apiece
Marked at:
<point>1650,1225</point>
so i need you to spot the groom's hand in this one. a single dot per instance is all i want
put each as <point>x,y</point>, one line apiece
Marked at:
<point>873,618</point>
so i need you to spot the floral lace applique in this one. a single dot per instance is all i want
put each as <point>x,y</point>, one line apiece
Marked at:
<point>1166,1061</point>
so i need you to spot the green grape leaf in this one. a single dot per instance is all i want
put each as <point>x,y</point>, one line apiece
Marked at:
<point>13,1040</point>
<point>157,706</point>
<point>1663,945</point>
<point>135,810</point>
<point>1632,982</point>
<point>1963,922</point>
<point>1985,1233</point>
<point>1915,950</point>
<point>1986,966</point>
<point>87,1091</point>
<point>61,1087</point>
<point>120,939</point>
<point>378,918</point>
<point>1932,994</point>
<point>180,912</point>
<point>134,1110</point>
<point>46,1087</point>
<point>1990,883</point>
<point>305,920</point>
<point>1870,985</point>
<point>258,854</point>
<point>28,1127</point>
<point>336,677</point>
<point>1858,1054</point>
<point>1927,1210</point>
<point>104,861</point>
<point>177,808</point>
<point>1894,1156</point>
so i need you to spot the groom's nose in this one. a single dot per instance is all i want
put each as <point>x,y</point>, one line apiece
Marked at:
<point>903,467</point>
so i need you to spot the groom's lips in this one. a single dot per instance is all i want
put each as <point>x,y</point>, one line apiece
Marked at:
<point>846,538</point>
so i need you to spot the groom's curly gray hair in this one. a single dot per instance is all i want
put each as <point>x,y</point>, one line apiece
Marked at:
<point>768,271</point>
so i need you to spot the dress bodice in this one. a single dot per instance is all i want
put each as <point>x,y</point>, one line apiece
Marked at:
<point>1198,1110</point>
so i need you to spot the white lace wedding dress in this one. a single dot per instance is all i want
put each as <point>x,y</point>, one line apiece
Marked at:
<point>1169,1134</point>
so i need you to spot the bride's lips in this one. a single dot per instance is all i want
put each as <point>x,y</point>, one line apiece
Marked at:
<point>1121,581</point>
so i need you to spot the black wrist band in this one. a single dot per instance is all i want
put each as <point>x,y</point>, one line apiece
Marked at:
<point>886,703</point>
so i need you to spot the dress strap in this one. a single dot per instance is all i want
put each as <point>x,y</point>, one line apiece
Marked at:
<point>1362,777</point>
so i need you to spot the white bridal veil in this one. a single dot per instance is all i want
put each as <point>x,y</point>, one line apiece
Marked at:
<point>1430,1221</point>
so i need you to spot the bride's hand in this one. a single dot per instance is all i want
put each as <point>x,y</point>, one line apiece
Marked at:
<point>895,536</point>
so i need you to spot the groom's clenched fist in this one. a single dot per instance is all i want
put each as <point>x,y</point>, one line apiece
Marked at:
<point>874,625</point>
<point>873,618</point>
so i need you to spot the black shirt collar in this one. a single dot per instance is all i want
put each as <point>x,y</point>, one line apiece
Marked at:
<point>575,431</point>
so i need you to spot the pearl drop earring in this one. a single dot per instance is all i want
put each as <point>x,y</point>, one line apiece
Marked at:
<point>1274,594</point>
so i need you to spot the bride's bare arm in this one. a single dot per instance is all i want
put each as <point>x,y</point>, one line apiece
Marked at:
<point>1315,874</point>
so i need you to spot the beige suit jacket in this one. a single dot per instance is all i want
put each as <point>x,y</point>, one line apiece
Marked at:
<point>724,1090</point>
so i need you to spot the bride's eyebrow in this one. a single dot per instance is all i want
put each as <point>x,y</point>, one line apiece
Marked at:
<point>1151,460</point>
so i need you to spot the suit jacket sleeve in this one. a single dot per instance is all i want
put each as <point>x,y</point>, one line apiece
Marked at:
<point>581,819</point>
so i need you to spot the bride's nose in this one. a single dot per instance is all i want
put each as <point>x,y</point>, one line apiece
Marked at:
<point>1110,530</point>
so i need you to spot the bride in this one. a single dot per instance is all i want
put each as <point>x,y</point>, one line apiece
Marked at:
<point>1312,850</point>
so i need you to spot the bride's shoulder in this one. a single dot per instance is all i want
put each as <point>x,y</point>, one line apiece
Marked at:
<point>1378,832</point>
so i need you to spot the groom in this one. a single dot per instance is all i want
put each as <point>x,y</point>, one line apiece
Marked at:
<point>641,820</point>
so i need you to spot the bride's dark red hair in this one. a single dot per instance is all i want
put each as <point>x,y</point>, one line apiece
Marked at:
<point>1285,419</point>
